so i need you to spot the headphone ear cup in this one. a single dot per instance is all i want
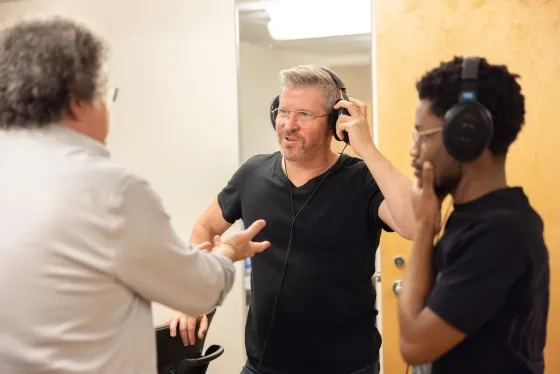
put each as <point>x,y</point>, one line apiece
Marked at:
<point>333,118</point>
<point>467,131</point>
<point>273,113</point>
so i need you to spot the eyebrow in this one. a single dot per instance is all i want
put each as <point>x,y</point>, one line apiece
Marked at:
<point>297,110</point>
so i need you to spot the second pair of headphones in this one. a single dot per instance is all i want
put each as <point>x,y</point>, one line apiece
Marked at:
<point>468,125</point>
<point>333,114</point>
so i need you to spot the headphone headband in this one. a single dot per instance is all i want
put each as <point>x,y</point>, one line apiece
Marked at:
<point>469,78</point>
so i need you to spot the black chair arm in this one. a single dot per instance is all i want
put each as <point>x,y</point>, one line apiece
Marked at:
<point>212,353</point>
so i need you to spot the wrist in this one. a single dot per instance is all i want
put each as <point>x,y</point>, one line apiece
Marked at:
<point>226,250</point>
<point>426,227</point>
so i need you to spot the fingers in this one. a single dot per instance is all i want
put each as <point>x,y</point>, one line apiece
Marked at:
<point>416,185</point>
<point>350,106</point>
<point>341,128</point>
<point>427,175</point>
<point>191,329</point>
<point>257,247</point>
<point>361,106</point>
<point>183,329</point>
<point>173,323</point>
<point>343,124</point>
<point>255,228</point>
<point>202,327</point>
<point>206,246</point>
<point>217,240</point>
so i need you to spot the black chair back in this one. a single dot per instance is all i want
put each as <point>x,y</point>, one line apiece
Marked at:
<point>175,358</point>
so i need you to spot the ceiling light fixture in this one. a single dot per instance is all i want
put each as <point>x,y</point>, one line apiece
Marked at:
<point>308,19</point>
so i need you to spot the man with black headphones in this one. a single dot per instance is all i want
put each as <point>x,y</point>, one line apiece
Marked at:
<point>477,301</point>
<point>313,302</point>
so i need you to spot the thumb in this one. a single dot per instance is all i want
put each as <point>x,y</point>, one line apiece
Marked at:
<point>254,229</point>
<point>427,175</point>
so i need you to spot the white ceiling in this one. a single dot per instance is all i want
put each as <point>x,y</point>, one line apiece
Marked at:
<point>252,28</point>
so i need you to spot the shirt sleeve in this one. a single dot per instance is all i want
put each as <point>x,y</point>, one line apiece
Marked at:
<point>473,288</point>
<point>153,262</point>
<point>229,199</point>
<point>374,198</point>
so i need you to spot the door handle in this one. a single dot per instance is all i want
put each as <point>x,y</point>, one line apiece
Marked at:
<point>397,287</point>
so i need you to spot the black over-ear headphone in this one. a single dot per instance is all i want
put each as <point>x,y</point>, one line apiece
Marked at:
<point>467,126</point>
<point>333,114</point>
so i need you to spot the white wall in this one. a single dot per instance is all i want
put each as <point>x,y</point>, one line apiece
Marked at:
<point>175,64</point>
<point>259,69</point>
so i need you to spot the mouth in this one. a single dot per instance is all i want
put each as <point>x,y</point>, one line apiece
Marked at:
<point>291,139</point>
<point>417,169</point>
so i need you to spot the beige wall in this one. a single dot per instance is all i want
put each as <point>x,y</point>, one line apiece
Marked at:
<point>357,80</point>
<point>176,69</point>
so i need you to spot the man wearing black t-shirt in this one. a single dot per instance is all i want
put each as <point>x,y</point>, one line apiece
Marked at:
<point>477,302</point>
<point>313,302</point>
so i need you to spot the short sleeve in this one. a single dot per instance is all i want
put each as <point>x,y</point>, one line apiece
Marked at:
<point>469,291</point>
<point>374,198</point>
<point>229,198</point>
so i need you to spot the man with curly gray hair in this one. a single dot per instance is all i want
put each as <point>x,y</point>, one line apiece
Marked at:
<point>85,245</point>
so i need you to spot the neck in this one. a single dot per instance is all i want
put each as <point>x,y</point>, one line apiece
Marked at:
<point>479,181</point>
<point>312,167</point>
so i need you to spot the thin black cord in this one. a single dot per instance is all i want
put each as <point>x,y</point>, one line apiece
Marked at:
<point>294,216</point>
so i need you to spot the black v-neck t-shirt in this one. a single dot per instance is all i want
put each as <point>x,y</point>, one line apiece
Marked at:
<point>325,313</point>
<point>492,283</point>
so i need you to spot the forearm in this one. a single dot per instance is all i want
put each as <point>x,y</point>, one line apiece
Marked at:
<point>395,187</point>
<point>417,282</point>
<point>153,261</point>
<point>201,234</point>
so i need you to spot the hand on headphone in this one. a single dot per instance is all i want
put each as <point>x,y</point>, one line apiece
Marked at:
<point>356,125</point>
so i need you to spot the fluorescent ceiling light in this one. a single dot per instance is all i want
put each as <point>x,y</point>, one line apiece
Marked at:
<point>307,19</point>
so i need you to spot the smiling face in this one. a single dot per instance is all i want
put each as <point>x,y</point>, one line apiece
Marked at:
<point>428,146</point>
<point>301,123</point>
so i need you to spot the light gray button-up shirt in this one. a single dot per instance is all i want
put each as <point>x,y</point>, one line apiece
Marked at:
<point>85,247</point>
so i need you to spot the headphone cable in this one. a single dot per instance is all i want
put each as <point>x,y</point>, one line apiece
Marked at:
<point>294,216</point>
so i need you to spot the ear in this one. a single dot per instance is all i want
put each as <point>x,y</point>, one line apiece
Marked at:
<point>79,108</point>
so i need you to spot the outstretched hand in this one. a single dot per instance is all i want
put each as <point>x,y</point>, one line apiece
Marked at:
<point>240,246</point>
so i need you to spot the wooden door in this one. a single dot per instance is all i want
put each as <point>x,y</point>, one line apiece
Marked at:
<point>413,36</point>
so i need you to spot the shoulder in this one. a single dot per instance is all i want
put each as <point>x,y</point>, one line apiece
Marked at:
<point>356,171</point>
<point>507,226</point>
<point>114,179</point>
<point>261,160</point>
<point>502,234</point>
<point>260,163</point>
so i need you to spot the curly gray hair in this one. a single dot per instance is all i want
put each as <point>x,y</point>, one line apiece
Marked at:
<point>43,63</point>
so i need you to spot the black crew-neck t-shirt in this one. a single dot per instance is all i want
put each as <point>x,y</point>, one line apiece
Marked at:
<point>324,318</point>
<point>492,283</point>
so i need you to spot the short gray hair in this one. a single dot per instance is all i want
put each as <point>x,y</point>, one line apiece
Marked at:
<point>312,75</point>
<point>43,63</point>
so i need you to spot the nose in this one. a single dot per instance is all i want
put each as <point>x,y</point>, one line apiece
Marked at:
<point>290,123</point>
<point>414,152</point>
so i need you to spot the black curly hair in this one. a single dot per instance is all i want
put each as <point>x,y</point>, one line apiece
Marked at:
<point>498,90</point>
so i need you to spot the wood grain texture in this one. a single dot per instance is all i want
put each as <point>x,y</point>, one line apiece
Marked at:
<point>414,36</point>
